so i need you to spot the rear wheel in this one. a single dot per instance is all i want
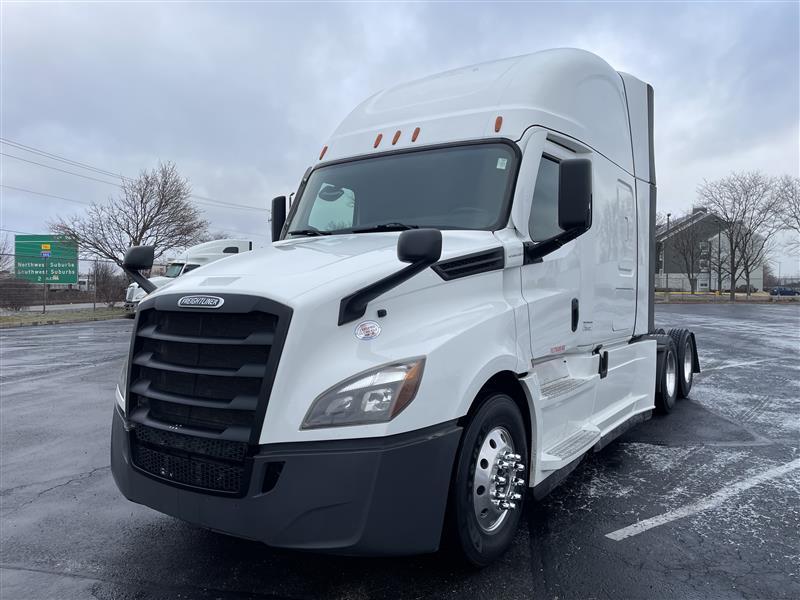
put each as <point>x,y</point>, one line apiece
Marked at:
<point>667,390</point>
<point>684,347</point>
<point>488,486</point>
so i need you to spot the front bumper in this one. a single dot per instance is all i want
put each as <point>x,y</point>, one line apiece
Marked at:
<point>377,496</point>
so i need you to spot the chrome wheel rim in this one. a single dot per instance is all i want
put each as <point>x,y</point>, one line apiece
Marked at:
<point>670,374</point>
<point>497,481</point>
<point>688,355</point>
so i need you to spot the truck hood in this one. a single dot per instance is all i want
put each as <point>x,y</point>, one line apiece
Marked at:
<point>289,269</point>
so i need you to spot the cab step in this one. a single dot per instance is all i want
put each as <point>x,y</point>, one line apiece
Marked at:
<point>563,387</point>
<point>568,449</point>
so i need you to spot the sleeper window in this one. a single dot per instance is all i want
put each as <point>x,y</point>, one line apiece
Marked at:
<point>543,222</point>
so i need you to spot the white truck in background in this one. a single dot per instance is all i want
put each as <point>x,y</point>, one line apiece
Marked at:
<point>457,309</point>
<point>187,261</point>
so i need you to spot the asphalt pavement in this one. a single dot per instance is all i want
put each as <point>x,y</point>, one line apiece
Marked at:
<point>703,503</point>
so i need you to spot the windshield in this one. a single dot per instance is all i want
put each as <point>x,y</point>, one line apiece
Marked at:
<point>463,187</point>
<point>173,270</point>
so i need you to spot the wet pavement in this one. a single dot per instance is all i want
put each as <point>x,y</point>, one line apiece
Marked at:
<point>715,488</point>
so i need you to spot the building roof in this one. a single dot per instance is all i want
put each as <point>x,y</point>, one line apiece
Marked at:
<point>678,224</point>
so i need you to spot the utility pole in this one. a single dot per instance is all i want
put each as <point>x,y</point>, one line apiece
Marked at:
<point>666,264</point>
<point>94,298</point>
<point>719,257</point>
<point>44,288</point>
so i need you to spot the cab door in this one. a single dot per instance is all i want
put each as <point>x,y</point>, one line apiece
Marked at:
<point>552,285</point>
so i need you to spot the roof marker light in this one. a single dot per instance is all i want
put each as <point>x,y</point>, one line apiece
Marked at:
<point>378,140</point>
<point>498,123</point>
<point>396,137</point>
<point>415,135</point>
<point>324,150</point>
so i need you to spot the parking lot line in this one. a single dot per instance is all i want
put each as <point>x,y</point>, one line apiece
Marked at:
<point>713,501</point>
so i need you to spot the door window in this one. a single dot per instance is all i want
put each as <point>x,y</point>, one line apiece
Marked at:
<point>543,222</point>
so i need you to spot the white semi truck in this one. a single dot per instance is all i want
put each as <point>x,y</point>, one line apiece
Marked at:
<point>189,260</point>
<point>457,309</point>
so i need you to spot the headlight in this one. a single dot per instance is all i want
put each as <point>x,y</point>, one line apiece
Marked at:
<point>375,396</point>
<point>122,385</point>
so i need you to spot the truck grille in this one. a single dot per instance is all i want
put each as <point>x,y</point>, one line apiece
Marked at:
<point>189,471</point>
<point>199,386</point>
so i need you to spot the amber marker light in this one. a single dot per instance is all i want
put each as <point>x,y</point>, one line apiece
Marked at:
<point>324,150</point>
<point>498,123</point>
<point>396,137</point>
<point>415,135</point>
<point>378,140</point>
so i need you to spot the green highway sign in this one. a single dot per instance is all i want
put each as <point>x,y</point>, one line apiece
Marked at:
<point>45,259</point>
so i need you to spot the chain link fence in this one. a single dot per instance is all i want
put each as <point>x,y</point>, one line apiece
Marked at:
<point>100,284</point>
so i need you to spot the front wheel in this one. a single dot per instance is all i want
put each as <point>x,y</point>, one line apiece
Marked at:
<point>488,485</point>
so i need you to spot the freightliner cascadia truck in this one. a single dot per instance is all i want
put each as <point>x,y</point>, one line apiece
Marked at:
<point>457,308</point>
<point>192,258</point>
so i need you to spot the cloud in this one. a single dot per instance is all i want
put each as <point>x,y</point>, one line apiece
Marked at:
<point>243,96</point>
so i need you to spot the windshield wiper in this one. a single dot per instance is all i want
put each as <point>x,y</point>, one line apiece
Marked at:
<point>386,227</point>
<point>308,232</point>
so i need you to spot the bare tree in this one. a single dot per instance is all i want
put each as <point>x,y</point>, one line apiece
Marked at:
<point>213,235</point>
<point>154,210</point>
<point>685,243</point>
<point>762,221</point>
<point>109,282</point>
<point>770,280</point>
<point>788,189</point>
<point>6,254</point>
<point>16,294</point>
<point>719,260</point>
<point>748,206</point>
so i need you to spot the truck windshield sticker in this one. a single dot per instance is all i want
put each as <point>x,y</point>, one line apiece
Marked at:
<point>501,163</point>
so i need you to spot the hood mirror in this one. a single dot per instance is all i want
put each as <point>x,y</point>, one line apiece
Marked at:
<point>420,246</point>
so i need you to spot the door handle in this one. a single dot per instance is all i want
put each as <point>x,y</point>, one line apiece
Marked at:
<point>575,314</point>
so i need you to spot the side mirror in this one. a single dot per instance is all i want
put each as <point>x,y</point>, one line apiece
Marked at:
<point>278,216</point>
<point>575,194</point>
<point>420,246</point>
<point>139,258</point>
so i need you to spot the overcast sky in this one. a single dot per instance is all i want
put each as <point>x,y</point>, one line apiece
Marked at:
<point>241,97</point>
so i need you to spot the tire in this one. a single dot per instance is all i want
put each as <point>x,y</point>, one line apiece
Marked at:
<point>684,344</point>
<point>668,375</point>
<point>495,429</point>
